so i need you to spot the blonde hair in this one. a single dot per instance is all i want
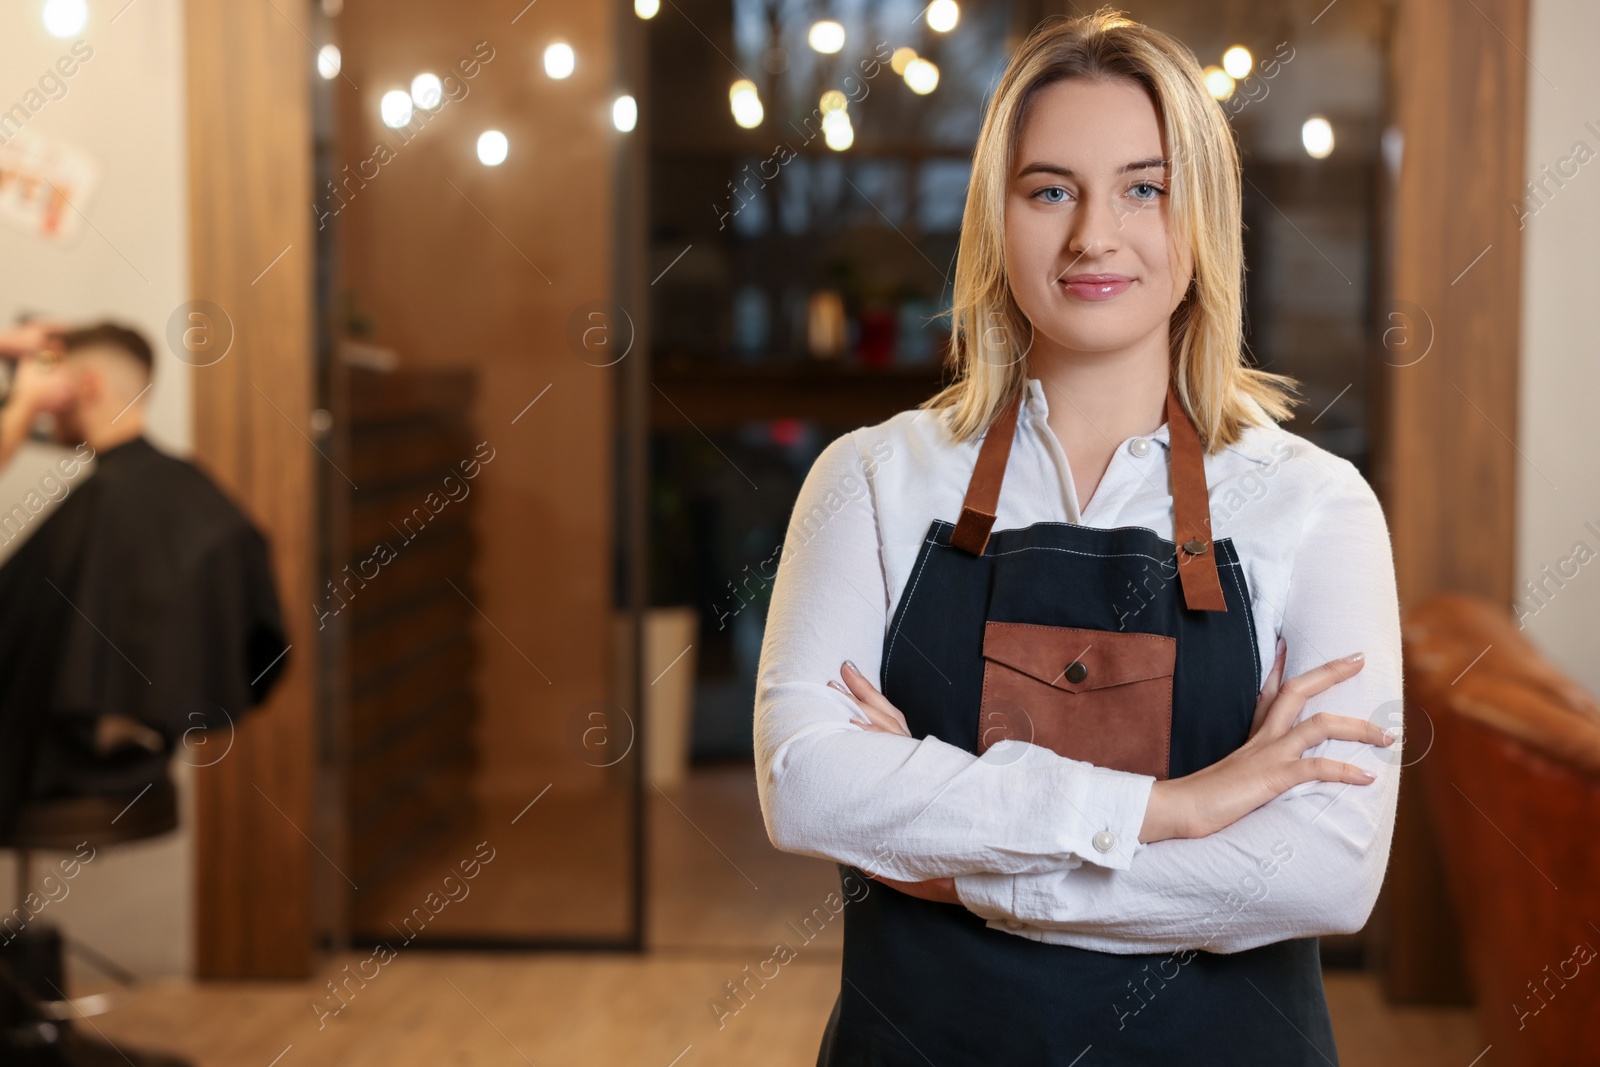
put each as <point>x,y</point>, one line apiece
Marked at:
<point>1206,331</point>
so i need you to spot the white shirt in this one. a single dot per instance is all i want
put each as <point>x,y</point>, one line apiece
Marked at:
<point>1014,826</point>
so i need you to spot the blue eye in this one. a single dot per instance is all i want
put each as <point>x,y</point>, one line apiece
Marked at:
<point>1156,191</point>
<point>1040,195</point>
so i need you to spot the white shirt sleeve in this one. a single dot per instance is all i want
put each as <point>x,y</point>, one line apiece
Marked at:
<point>1310,862</point>
<point>893,805</point>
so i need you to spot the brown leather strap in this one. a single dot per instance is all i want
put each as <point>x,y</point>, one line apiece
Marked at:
<point>1191,502</point>
<point>983,490</point>
<point>1191,512</point>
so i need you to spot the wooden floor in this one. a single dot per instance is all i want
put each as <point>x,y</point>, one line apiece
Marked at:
<point>722,898</point>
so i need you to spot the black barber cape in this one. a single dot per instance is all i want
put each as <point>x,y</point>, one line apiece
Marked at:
<point>146,593</point>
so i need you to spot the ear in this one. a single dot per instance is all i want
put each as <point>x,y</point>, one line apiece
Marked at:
<point>88,383</point>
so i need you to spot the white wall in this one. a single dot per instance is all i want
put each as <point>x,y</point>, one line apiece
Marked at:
<point>124,105</point>
<point>1558,498</point>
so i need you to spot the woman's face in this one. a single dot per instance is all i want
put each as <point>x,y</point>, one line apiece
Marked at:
<point>1087,247</point>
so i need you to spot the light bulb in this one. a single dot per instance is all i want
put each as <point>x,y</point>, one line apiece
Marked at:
<point>65,18</point>
<point>492,148</point>
<point>625,113</point>
<point>943,15</point>
<point>1237,61</point>
<point>922,76</point>
<point>395,107</point>
<point>1317,136</point>
<point>559,60</point>
<point>826,36</point>
<point>329,61</point>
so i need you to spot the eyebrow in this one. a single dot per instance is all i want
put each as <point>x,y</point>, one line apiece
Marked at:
<point>1127,168</point>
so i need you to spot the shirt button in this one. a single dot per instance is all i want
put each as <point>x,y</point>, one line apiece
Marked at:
<point>1105,841</point>
<point>1013,924</point>
<point>1139,446</point>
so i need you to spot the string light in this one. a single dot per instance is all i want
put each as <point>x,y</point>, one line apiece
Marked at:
<point>1237,61</point>
<point>492,148</point>
<point>922,76</point>
<point>1317,136</point>
<point>1218,83</point>
<point>559,60</point>
<point>395,108</point>
<point>943,15</point>
<point>826,36</point>
<point>329,61</point>
<point>625,113</point>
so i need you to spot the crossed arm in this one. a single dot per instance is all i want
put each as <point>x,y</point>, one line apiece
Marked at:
<point>1012,828</point>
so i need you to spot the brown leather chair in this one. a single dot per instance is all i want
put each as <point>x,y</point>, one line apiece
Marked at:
<point>1508,750</point>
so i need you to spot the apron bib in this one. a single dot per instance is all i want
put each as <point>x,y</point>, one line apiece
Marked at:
<point>930,983</point>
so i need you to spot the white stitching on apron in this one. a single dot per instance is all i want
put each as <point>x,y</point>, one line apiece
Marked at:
<point>900,610</point>
<point>1250,617</point>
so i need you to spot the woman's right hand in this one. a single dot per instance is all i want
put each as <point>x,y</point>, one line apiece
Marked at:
<point>1268,764</point>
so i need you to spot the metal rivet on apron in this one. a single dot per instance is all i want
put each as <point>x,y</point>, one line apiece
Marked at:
<point>1194,548</point>
<point>1076,671</point>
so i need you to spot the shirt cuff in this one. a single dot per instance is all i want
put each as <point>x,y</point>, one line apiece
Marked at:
<point>1105,815</point>
<point>1101,825</point>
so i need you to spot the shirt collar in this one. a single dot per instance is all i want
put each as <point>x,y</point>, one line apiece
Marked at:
<point>1255,444</point>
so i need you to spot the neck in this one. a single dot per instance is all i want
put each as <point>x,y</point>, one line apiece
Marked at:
<point>1101,398</point>
<point>111,434</point>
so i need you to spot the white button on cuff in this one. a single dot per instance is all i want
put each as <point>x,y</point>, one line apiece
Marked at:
<point>1104,841</point>
<point>1013,924</point>
<point>1139,446</point>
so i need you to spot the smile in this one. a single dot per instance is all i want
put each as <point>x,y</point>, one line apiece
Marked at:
<point>1096,286</point>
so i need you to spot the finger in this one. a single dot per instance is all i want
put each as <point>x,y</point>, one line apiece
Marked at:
<point>1326,726</point>
<point>867,694</point>
<point>1294,692</point>
<point>1323,769</point>
<point>1275,676</point>
<point>858,713</point>
<point>1269,691</point>
<point>876,718</point>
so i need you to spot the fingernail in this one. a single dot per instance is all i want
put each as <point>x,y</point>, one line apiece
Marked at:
<point>837,686</point>
<point>1355,657</point>
<point>853,667</point>
<point>1368,776</point>
<point>1282,644</point>
<point>1392,733</point>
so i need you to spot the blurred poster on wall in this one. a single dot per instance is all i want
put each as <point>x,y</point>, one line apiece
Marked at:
<point>45,185</point>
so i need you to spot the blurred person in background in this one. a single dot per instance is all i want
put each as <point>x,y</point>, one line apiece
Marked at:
<point>140,609</point>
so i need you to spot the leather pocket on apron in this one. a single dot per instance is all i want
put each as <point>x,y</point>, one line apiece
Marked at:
<point>1100,696</point>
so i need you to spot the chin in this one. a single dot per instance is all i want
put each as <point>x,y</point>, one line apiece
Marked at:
<point>1079,336</point>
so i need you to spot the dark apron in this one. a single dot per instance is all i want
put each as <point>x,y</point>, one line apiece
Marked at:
<point>931,983</point>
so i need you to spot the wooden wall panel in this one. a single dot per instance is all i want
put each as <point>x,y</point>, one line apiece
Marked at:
<point>250,195</point>
<point>455,264</point>
<point>1448,462</point>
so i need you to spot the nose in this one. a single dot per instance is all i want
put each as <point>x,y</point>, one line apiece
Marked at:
<point>1095,228</point>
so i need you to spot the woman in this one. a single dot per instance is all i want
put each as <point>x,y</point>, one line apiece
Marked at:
<point>1064,593</point>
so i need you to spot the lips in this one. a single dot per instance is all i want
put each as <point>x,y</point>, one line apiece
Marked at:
<point>1096,286</point>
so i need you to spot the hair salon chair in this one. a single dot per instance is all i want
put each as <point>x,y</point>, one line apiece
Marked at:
<point>41,1026</point>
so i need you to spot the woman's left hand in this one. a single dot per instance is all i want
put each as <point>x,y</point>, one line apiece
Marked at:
<point>942,890</point>
<point>884,717</point>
